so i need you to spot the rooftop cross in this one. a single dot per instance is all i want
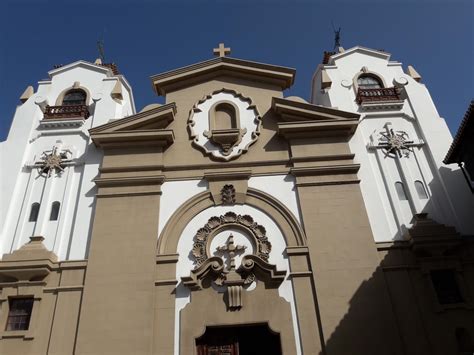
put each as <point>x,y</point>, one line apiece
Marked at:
<point>221,51</point>
<point>231,249</point>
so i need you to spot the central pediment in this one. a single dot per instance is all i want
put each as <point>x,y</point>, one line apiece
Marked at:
<point>281,77</point>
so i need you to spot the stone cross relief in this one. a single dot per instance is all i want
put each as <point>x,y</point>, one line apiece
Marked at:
<point>231,249</point>
<point>233,281</point>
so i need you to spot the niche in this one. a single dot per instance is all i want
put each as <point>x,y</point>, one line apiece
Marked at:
<point>224,126</point>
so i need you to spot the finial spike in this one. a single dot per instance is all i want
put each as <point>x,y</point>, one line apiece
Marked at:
<point>29,91</point>
<point>100,48</point>
<point>337,37</point>
<point>413,73</point>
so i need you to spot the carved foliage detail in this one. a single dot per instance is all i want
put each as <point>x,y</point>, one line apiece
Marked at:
<point>228,195</point>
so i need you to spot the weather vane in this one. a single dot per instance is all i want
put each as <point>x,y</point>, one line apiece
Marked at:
<point>337,36</point>
<point>100,48</point>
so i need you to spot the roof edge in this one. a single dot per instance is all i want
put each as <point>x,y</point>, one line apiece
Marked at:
<point>81,62</point>
<point>452,155</point>
<point>360,49</point>
<point>182,77</point>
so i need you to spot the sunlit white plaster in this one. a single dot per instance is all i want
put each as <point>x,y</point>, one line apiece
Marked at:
<point>281,187</point>
<point>174,194</point>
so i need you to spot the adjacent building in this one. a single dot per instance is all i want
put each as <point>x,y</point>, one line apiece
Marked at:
<point>461,151</point>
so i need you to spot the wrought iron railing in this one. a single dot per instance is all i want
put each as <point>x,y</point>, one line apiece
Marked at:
<point>382,94</point>
<point>66,111</point>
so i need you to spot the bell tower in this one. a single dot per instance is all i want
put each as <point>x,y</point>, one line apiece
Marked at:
<point>48,189</point>
<point>400,141</point>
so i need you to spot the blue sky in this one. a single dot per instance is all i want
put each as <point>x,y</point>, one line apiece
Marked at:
<point>148,37</point>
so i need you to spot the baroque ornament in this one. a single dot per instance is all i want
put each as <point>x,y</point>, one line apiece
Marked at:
<point>216,224</point>
<point>213,268</point>
<point>224,124</point>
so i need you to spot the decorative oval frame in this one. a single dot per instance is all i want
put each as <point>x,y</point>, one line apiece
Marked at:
<point>254,134</point>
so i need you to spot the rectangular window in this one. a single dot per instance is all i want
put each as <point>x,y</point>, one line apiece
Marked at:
<point>446,286</point>
<point>19,314</point>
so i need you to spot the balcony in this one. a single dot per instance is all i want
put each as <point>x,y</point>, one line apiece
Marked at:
<point>66,112</point>
<point>382,94</point>
<point>379,99</point>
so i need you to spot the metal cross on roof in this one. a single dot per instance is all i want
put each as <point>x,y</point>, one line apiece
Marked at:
<point>231,249</point>
<point>221,51</point>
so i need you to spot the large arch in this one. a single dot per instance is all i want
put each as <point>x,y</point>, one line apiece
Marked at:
<point>292,230</point>
<point>297,328</point>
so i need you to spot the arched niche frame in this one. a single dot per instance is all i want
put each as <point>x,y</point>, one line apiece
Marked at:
<point>287,322</point>
<point>75,86</point>
<point>229,142</point>
<point>234,115</point>
<point>366,72</point>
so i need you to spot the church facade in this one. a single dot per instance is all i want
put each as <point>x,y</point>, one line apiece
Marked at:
<point>232,219</point>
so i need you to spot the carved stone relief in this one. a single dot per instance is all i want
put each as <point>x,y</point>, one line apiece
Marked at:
<point>234,278</point>
<point>224,124</point>
<point>228,195</point>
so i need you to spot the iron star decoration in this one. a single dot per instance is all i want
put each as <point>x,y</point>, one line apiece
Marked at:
<point>53,161</point>
<point>395,143</point>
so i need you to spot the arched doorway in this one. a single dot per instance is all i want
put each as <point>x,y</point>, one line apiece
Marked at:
<point>255,339</point>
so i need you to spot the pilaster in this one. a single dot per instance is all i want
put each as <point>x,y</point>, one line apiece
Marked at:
<point>119,296</point>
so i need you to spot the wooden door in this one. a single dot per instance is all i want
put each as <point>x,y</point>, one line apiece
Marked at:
<point>218,349</point>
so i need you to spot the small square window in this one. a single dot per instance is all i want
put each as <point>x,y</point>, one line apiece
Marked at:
<point>19,314</point>
<point>446,286</point>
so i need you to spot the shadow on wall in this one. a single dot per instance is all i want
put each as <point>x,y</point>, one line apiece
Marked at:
<point>429,279</point>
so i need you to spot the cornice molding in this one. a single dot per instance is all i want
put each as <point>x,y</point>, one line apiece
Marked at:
<point>143,129</point>
<point>326,170</point>
<point>173,80</point>
<point>129,181</point>
<point>305,129</point>
<point>291,111</point>
<point>227,175</point>
<point>158,138</point>
<point>304,120</point>
<point>155,118</point>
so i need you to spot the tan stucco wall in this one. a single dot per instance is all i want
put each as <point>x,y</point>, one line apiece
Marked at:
<point>55,316</point>
<point>117,315</point>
